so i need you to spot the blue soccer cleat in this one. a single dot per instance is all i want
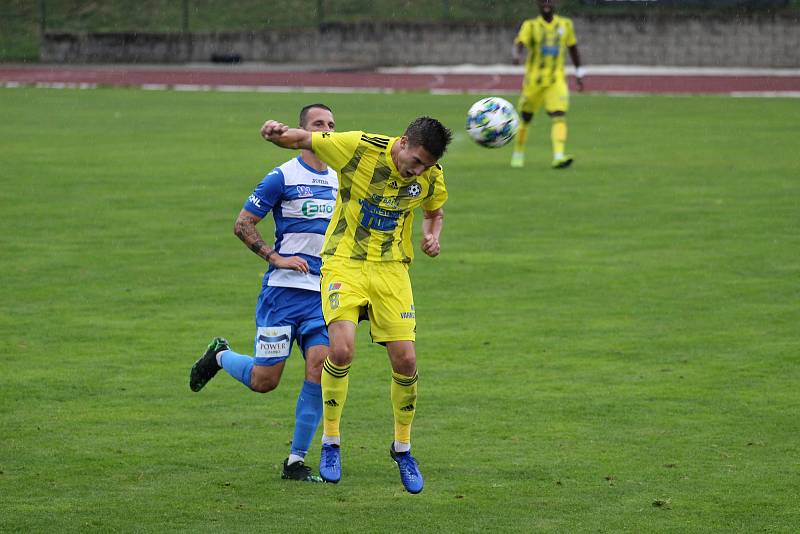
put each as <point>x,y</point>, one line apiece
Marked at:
<point>330,463</point>
<point>409,471</point>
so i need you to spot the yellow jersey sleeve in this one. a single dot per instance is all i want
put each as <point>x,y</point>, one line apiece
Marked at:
<point>570,36</point>
<point>335,148</point>
<point>437,192</point>
<point>525,33</point>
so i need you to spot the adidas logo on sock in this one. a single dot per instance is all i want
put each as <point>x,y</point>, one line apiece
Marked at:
<point>332,403</point>
<point>407,408</point>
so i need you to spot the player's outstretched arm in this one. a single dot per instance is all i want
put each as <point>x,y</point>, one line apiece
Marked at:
<point>285,137</point>
<point>432,223</point>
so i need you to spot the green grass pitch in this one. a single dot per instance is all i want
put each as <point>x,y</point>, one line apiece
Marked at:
<point>610,348</point>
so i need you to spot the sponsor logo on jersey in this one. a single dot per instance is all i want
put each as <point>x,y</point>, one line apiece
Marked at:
<point>312,209</point>
<point>333,286</point>
<point>390,202</point>
<point>378,218</point>
<point>550,50</point>
<point>254,200</point>
<point>393,184</point>
<point>304,191</point>
<point>408,314</point>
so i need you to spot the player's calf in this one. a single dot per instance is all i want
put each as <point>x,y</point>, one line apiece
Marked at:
<point>264,379</point>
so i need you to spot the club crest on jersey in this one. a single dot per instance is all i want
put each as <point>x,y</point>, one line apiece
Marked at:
<point>414,190</point>
<point>303,191</point>
<point>393,184</point>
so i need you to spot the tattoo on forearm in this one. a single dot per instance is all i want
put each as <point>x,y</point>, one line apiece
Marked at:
<point>246,231</point>
<point>256,247</point>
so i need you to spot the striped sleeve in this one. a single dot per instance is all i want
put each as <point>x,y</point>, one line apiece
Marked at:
<point>570,37</point>
<point>524,35</point>
<point>437,193</point>
<point>335,148</point>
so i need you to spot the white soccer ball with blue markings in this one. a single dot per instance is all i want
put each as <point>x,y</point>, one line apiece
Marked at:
<point>492,122</point>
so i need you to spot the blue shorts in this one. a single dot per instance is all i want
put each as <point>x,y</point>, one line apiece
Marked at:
<point>285,315</point>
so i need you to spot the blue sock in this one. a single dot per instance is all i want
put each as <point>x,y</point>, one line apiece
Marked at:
<point>307,416</point>
<point>238,366</point>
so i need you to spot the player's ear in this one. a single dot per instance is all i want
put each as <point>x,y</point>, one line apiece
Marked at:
<point>403,142</point>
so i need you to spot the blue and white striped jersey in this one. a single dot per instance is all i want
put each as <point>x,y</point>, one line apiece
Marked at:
<point>302,201</point>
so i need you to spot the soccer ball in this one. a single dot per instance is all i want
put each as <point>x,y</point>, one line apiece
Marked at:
<point>492,122</point>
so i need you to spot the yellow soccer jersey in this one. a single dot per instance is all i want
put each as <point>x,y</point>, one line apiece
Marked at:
<point>546,45</point>
<point>373,216</point>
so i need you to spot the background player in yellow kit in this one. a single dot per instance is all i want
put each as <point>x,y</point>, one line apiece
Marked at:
<point>366,255</point>
<point>545,37</point>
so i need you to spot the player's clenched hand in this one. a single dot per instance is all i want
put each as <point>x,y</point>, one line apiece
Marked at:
<point>430,245</point>
<point>272,130</point>
<point>294,263</point>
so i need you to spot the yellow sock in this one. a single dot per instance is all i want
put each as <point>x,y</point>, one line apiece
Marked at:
<point>335,380</point>
<point>519,139</point>
<point>558,134</point>
<point>404,405</point>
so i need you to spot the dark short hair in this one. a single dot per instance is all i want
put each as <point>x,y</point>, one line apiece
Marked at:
<point>430,134</point>
<point>306,109</point>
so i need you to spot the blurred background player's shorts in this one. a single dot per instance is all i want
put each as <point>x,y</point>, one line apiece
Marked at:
<point>555,97</point>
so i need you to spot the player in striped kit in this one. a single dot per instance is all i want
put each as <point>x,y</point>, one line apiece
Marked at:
<point>301,194</point>
<point>546,38</point>
<point>367,254</point>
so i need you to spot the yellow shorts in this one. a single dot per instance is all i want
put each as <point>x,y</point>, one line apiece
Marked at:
<point>379,290</point>
<point>554,97</point>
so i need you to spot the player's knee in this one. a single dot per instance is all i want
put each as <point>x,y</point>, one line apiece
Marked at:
<point>526,117</point>
<point>263,382</point>
<point>405,363</point>
<point>341,353</point>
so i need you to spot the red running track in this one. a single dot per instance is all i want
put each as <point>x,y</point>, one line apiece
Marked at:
<point>374,81</point>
